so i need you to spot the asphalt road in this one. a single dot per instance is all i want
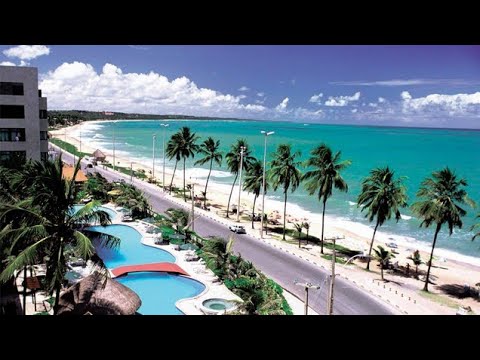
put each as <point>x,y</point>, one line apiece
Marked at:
<point>276,264</point>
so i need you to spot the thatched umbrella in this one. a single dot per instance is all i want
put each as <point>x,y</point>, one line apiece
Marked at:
<point>99,296</point>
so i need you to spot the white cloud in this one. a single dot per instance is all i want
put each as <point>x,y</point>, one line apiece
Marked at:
<point>24,63</point>
<point>7,63</point>
<point>373,104</point>
<point>293,81</point>
<point>261,94</point>
<point>78,85</point>
<point>409,82</point>
<point>283,105</point>
<point>354,111</point>
<point>316,98</point>
<point>27,52</point>
<point>381,100</point>
<point>242,96</point>
<point>302,113</point>
<point>405,95</point>
<point>342,100</point>
<point>244,88</point>
<point>454,104</point>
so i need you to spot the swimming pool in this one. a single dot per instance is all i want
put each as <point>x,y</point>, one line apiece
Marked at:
<point>109,211</point>
<point>131,250</point>
<point>159,292</point>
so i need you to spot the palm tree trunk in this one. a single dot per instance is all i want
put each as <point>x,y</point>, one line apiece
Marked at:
<point>307,235</point>
<point>284,214</point>
<point>231,192</point>
<point>253,210</point>
<point>381,270</point>
<point>323,226</point>
<point>25,290</point>
<point>184,196</point>
<point>206,184</point>
<point>371,245</point>
<point>425,288</point>
<point>173,175</point>
<point>58,286</point>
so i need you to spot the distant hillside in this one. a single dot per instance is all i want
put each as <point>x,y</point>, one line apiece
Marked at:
<point>62,117</point>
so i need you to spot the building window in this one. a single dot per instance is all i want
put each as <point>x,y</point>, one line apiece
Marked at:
<point>43,114</point>
<point>9,134</point>
<point>43,135</point>
<point>12,158</point>
<point>11,88</point>
<point>44,155</point>
<point>12,112</point>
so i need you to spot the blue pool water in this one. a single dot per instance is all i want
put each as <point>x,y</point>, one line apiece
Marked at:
<point>109,211</point>
<point>159,291</point>
<point>131,250</point>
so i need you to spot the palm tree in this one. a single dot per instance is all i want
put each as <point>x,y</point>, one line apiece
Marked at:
<point>306,226</point>
<point>173,150</point>
<point>417,260</point>
<point>475,226</point>
<point>182,145</point>
<point>284,171</point>
<point>325,176</point>
<point>178,217</point>
<point>233,162</point>
<point>383,256</point>
<point>209,148</point>
<point>299,227</point>
<point>133,199</point>
<point>46,224</point>
<point>254,182</point>
<point>382,196</point>
<point>441,196</point>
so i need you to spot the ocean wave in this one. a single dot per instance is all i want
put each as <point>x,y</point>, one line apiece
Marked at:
<point>351,203</point>
<point>98,136</point>
<point>405,217</point>
<point>202,173</point>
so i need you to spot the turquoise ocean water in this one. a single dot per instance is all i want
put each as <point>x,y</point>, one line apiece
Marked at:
<point>411,152</point>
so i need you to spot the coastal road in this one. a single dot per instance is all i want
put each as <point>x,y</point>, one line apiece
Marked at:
<point>282,267</point>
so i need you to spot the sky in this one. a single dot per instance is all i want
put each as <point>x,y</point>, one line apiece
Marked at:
<point>395,85</point>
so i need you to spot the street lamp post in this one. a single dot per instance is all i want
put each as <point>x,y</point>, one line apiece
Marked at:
<point>153,158</point>
<point>264,168</point>
<point>192,194</point>
<point>164,128</point>
<point>242,150</point>
<point>307,286</point>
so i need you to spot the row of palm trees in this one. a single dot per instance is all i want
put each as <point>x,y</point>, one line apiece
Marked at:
<point>440,196</point>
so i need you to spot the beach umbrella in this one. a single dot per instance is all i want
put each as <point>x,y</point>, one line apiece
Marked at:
<point>188,247</point>
<point>99,296</point>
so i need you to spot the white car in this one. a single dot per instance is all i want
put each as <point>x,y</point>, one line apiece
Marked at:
<point>237,229</point>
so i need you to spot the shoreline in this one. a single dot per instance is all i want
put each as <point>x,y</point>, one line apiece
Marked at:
<point>357,235</point>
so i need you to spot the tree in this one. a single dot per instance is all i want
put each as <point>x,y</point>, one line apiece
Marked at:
<point>306,226</point>
<point>475,226</point>
<point>299,227</point>
<point>381,196</point>
<point>178,217</point>
<point>233,162</point>
<point>254,182</point>
<point>284,172</point>
<point>46,224</point>
<point>173,151</point>
<point>182,145</point>
<point>417,260</point>
<point>325,176</point>
<point>440,198</point>
<point>133,199</point>
<point>209,148</point>
<point>383,256</point>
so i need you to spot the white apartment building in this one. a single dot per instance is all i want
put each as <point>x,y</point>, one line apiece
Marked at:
<point>23,115</point>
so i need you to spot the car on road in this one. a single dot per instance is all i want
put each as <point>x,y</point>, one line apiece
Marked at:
<point>237,229</point>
